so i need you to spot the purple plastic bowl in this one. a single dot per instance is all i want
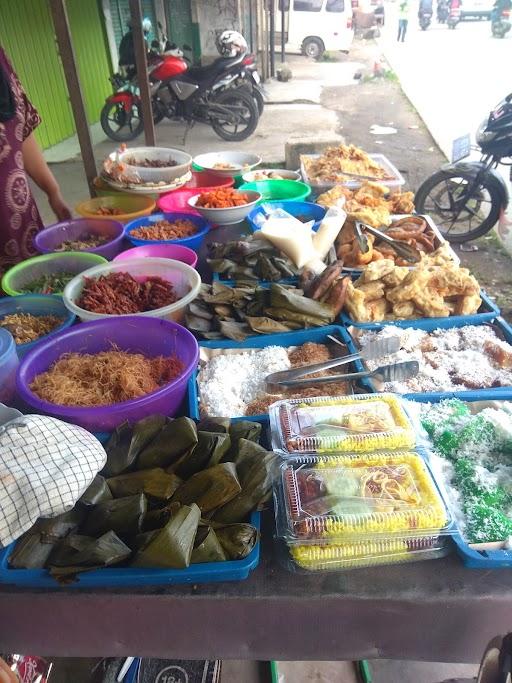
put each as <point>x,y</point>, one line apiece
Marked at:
<point>136,334</point>
<point>47,241</point>
<point>172,251</point>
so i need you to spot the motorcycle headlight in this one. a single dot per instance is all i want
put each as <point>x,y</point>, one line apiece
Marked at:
<point>484,136</point>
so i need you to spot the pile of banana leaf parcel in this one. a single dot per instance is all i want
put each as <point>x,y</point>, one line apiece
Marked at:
<point>171,494</point>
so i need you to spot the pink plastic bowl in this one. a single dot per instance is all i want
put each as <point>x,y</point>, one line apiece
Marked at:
<point>173,251</point>
<point>204,181</point>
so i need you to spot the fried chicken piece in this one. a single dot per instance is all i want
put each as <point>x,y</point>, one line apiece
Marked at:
<point>401,202</point>
<point>332,196</point>
<point>372,290</point>
<point>467,305</point>
<point>431,304</point>
<point>377,270</point>
<point>395,277</point>
<point>377,309</point>
<point>355,304</point>
<point>414,283</point>
<point>404,310</point>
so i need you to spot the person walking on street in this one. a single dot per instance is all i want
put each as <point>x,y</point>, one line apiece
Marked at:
<point>403,20</point>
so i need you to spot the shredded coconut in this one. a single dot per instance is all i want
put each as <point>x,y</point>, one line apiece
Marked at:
<point>228,383</point>
<point>450,360</point>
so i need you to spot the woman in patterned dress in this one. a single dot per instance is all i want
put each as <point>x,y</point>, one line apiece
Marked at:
<point>20,155</point>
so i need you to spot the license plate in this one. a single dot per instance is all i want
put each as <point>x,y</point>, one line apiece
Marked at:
<point>256,77</point>
<point>461,148</point>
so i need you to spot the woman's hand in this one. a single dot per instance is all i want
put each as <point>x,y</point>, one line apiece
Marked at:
<point>59,206</point>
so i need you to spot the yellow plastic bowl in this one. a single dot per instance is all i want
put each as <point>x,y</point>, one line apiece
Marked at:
<point>132,206</point>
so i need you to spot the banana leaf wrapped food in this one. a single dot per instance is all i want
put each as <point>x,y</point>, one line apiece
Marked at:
<point>97,491</point>
<point>207,547</point>
<point>161,477</point>
<point>122,515</point>
<point>171,546</point>
<point>247,308</point>
<point>177,438</point>
<point>210,488</point>
<point>237,540</point>
<point>82,553</point>
<point>155,482</point>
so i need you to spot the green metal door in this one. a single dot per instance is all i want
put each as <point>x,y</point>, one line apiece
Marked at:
<point>120,13</point>
<point>181,29</point>
<point>26,33</point>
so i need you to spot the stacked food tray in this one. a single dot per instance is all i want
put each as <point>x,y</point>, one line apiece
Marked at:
<point>351,490</point>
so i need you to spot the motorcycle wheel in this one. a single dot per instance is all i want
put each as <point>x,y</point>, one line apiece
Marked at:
<point>243,107</point>
<point>459,216</point>
<point>120,125</point>
<point>260,102</point>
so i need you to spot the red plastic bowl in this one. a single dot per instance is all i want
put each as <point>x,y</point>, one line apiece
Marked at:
<point>204,181</point>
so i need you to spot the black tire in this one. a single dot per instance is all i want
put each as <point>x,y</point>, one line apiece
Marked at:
<point>244,105</point>
<point>313,47</point>
<point>258,98</point>
<point>429,202</point>
<point>113,114</point>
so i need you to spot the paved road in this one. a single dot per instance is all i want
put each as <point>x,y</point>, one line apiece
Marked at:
<point>453,78</point>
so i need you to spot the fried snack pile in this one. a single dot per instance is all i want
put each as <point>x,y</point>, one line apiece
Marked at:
<point>413,230</point>
<point>330,166</point>
<point>437,288</point>
<point>371,203</point>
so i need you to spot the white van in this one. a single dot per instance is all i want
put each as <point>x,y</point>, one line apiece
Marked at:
<point>315,26</point>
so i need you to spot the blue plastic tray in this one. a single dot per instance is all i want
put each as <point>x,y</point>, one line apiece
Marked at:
<point>317,334</point>
<point>257,283</point>
<point>127,576</point>
<point>496,394</point>
<point>488,311</point>
<point>316,211</point>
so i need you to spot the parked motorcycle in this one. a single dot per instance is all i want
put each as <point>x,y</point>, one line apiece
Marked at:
<point>500,23</point>
<point>454,17</point>
<point>425,17</point>
<point>466,198</point>
<point>181,92</point>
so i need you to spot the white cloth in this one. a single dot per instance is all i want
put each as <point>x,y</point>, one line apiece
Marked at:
<point>45,466</point>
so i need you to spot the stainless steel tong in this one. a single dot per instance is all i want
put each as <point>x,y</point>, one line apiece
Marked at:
<point>402,248</point>
<point>398,372</point>
<point>371,351</point>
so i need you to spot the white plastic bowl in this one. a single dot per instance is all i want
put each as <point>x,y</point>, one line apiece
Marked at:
<point>285,174</point>
<point>239,162</point>
<point>229,216</point>
<point>186,282</point>
<point>157,175</point>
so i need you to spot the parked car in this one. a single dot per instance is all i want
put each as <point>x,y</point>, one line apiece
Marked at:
<point>480,9</point>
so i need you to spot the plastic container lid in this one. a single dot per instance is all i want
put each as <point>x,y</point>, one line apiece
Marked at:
<point>8,365</point>
<point>7,345</point>
<point>348,424</point>
<point>357,497</point>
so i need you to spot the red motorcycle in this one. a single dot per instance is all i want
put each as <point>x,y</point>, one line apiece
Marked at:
<point>181,92</point>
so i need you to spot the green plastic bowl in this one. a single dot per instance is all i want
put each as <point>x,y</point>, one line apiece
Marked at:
<point>17,277</point>
<point>279,190</point>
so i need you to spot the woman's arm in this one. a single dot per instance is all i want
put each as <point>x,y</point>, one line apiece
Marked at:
<point>37,169</point>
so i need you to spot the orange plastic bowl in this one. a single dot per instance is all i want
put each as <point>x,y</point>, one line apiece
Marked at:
<point>131,207</point>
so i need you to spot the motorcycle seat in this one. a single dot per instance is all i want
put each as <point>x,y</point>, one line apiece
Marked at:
<point>205,73</point>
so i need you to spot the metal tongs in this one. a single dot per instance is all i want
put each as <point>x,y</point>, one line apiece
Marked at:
<point>402,248</point>
<point>371,351</point>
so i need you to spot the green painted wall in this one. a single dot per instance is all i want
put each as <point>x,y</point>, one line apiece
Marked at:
<point>26,33</point>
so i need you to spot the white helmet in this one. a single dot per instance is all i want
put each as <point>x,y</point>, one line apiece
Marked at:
<point>231,43</point>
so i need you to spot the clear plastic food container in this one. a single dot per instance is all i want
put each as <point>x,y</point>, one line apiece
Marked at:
<point>371,553</point>
<point>358,496</point>
<point>361,423</point>
<point>359,510</point>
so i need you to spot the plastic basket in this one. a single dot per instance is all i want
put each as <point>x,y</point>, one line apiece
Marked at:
<point>497,393</point>
<point>209,572</point>
<point>318,335</point>
<point>319,187</point>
